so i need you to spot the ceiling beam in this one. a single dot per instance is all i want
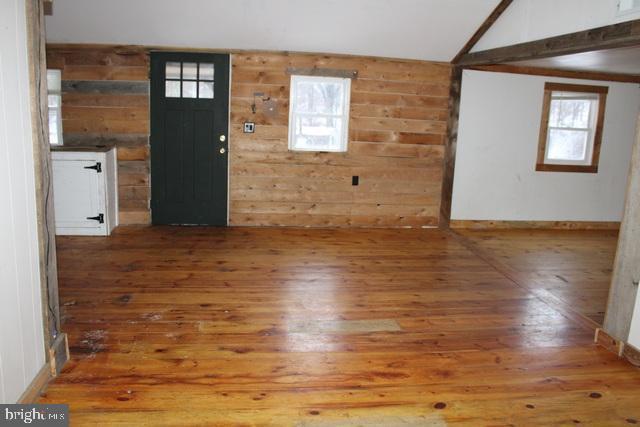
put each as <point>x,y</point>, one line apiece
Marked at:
<point>554,72</point>
<point>491,19</point>
<point>609,37</point>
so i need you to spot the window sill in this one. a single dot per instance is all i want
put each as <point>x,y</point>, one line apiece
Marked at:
<point>544,167</point>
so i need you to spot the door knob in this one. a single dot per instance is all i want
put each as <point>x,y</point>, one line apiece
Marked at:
<point>222,151</point>
<point>223,138</point>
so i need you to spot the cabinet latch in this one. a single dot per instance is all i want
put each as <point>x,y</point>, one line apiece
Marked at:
<point>97,167</point>
<point>99,217</point>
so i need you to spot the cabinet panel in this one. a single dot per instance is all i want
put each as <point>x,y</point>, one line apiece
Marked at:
<point>77,194</point>
<point>85,190</point>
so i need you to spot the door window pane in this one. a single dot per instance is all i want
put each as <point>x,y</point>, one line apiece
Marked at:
<point>172,89</point>
<point>195,79</point>
<point>206,71</point>
<point>172,70</point>
<point>190,71</point>
<point>189,89</point>
<point>205,90</point>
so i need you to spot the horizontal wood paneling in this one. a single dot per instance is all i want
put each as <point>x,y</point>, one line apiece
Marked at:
<point>397,126</point>
<point>106,101</point>
<point>398,122</point>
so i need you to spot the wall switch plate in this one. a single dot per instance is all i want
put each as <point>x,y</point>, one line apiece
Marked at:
<point>249,127</point>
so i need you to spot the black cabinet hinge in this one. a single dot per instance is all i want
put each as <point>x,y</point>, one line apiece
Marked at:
<point>99,218</point>
<point>97,167</point>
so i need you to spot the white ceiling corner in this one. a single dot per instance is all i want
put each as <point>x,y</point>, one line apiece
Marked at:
<point>412,29</point>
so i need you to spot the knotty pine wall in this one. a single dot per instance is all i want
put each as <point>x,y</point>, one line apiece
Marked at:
<point>397,128</point>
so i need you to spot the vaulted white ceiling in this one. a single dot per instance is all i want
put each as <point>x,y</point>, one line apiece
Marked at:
<point>414,29</point>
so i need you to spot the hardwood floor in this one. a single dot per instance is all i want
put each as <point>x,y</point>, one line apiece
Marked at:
<point>573,267</point>
<point>319,327</point>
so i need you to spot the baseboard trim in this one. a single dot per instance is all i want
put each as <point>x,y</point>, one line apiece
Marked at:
<point>545,225</point>
<point>58,354</point>
<point>38,384</point>
<point>619,348</point>
<point>632,354</point>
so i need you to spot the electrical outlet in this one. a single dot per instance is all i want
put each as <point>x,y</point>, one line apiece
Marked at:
<point>249,127</point>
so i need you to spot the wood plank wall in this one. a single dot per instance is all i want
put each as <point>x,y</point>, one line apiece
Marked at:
<point>105,100</point>
<point>397,127</point>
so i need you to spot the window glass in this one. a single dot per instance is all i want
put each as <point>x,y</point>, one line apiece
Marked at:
<point>205,90</point>
<point>54,102</point>
<point>172,89</point>
<point>206,71</point>
<point>189,80</point>
<point>189,89</point>
<point>567,145</point>
<point>571,113</point>
<point>190,71</point>
<point>319,113</point>
<point>571,127</point>
<point>319,97</point>
<point>318,133</point>
<point>172,70</point>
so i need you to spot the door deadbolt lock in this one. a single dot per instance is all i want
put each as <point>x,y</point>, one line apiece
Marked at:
<point>223,138</point>
<point>222,151</point>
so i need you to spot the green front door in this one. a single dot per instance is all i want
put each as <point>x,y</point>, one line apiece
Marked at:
<point>189,140</point>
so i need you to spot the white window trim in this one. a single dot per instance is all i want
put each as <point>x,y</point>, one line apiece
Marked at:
<point>54,88</point>
<point>593,117</point>
<point>346,82</point>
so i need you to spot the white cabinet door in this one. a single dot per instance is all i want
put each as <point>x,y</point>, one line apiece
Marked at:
<point>78,196</point>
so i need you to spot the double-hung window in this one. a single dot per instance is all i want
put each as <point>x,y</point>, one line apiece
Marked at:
<point>319,113</point>
<point>571,129</point>
<point>54,97</point>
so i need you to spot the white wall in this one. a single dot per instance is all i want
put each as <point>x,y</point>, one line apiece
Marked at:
<point>634,332</point>
<point>527,20</point>
<point>495,177</point>
<point>21,327</point>
<point>392,28</point>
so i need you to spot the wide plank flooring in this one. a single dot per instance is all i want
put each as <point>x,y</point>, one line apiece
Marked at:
<point>572,266</point>
<point>320,327</point>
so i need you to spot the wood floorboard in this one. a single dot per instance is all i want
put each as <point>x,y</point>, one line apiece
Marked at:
<point>574,266</point>
<point>328,327</point>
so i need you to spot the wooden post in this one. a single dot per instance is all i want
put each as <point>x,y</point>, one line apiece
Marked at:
<point>626,272</point>
<point>454,113</point>
<point>44,183</point>
<point>450,146</point>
